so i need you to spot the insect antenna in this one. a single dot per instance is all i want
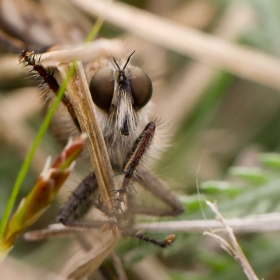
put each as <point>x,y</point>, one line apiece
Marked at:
<point>116,64</point>
<point>128,59</point>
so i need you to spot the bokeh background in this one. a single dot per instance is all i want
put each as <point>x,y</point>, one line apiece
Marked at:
<point>220,119</point>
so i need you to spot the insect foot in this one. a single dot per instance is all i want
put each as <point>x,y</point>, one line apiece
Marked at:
<point>141,146</point>
<point>111,225</point>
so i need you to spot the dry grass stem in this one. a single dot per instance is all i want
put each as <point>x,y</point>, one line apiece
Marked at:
<point>232,247</point>
<point>80,97</point>
<point>9,68</point>
<point>208,49</point>
<point>197,14</point>
<point>85,52</point>
<point>259,223</point>
<point>52,231</point>
<point>22,103</point>
<point>15,269</point>
<point>82,264</point>
<point>183,94</point>
<point>118,267</point>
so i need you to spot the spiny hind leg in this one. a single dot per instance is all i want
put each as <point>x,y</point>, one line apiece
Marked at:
<point>79,203</point>
<point>161,191</point>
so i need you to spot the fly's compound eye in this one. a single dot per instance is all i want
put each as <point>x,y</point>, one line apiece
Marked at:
<point>141,87</point>
<point>102,88</point>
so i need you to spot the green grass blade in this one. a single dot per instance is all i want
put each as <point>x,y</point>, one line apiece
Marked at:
<point>28,159</point>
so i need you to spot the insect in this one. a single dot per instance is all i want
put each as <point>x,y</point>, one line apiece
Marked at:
<point>121,95</point>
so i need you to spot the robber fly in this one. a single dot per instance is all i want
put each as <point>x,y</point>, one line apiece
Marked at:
<point>121,94</point>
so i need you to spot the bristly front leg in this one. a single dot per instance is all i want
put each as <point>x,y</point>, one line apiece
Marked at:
<point>150,182</point>
<point>142,143</point>
<point>46,79</point>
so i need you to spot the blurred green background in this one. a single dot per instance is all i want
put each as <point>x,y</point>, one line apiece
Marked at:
<point>218,122</point>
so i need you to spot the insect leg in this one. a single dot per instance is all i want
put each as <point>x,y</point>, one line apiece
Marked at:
<point>78,204</point>
<point>141,145</point>
<point>161,243</point>
<point>161,191</point>
<point>48,78</point>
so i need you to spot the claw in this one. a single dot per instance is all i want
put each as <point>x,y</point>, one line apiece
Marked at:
<point>169,239</point>
<point>112,225</point>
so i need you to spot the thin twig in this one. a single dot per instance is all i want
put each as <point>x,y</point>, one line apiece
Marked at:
<point>118,266</point>
<point>232,247</point>
<point>250,224</point>
<point>85,52</point>
<point>52,231</point>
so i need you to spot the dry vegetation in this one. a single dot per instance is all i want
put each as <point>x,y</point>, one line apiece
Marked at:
<point>215,68</point>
